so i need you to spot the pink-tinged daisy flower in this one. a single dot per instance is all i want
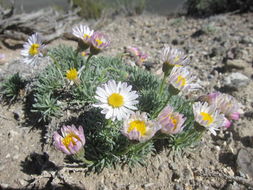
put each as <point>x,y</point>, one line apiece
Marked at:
<point>117,100</point>
<point>84,33</point>
<point>32,49</point>
<point>143,57</point>
<point>99,41</point>
<point>173,57</point>
<point>135,52</point>
<point>71,139</point>
<point>227,105</point>
<point>208,116</point>
<point>138,127</point>
<point>182,80</point>
<point>171,121</point>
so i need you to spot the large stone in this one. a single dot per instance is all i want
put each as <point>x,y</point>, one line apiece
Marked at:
<point>236,64</point>
<point>235,53</point>
<point>233,186</point>
<point>245,162</point>
<point>217,51</point>
<point>236,80</point>
<point>246,40</point>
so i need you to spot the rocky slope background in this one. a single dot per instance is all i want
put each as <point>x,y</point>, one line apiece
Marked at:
<point>221,51</point>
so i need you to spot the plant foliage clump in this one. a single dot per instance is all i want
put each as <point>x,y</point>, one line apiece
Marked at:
<point>105,145</point>
<point>13,87</point>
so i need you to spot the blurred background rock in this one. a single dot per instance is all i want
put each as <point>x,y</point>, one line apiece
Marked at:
<point>211,7</point>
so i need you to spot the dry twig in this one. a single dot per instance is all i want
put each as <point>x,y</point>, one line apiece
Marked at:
<point>47,22</point>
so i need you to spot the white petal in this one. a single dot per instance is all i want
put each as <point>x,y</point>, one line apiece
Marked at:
<point>108,90</point>
<point>132,96</point>
<point>101,92</point>
<point>109,114</point>
<point>129,106</point>
<point>104,111</point>
<point>101,99</point>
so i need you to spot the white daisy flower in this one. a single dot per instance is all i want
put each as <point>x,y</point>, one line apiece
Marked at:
<point>173,56</point>
<point>32,49</point>
<point>116,100</point>
<point>139,128</point>
<point>208,116</point>
<point>83,32</point>
<point>181,79</point>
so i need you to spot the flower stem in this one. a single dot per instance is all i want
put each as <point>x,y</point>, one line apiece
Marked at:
<point>58,66</point>
<point>85,65</point>
<point>159,110</point>
<point>162,84</point>
<point>135,147</point>
<point>81,157</point>
<point>89,57</point>
<point>160,136</point>
<point>88,162</point>
<point>191,136</point>
<point>126,150</point>
<point>142,145</point>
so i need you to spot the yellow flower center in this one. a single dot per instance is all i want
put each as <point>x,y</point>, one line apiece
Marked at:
<point>181,80</point>
<point>207,117</point>
<point>115,100</point>
<point>138,125</point>
<point>34,49</point>
<point>85,36</point>
<point>70,139</point>
<point>142,59</point>
<point>174,121</point>
<point>72,74</point>
<point>83,53</point>
<point>176,58</point>
<point>99,41</point>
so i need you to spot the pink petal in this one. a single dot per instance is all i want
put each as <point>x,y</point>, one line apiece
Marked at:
<point>235,116</point>
<point>227,123</point>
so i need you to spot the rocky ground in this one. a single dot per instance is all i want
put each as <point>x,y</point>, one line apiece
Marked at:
<point>221,49</point>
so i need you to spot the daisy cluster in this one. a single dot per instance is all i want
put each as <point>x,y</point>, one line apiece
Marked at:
<point>120,102</point>
<point>96,41</point>
<point>89,38</point>
<point>216,110</point>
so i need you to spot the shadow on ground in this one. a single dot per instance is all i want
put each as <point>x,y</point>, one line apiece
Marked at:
<point>35,164</point>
